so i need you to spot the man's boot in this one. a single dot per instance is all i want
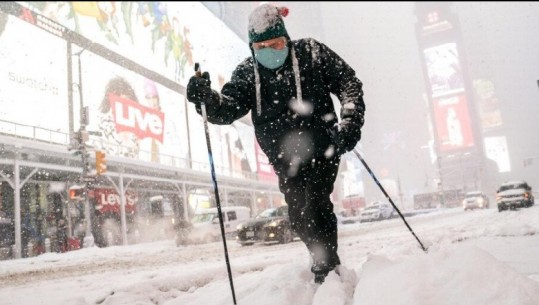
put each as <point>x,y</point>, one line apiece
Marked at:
<point>321,268</point>
<point>320,273</point>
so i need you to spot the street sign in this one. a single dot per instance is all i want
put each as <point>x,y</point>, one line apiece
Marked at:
<point>88,179</point>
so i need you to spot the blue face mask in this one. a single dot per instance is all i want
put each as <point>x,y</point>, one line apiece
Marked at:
<point>271,58</point>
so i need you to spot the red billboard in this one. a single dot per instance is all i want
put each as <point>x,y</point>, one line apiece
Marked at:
<point>142,121</point>
<point>453,124</point>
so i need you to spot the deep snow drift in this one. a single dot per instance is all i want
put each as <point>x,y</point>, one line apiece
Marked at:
<point>474,257</point>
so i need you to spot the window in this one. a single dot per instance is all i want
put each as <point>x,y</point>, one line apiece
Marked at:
<point>201,218</point>
<point>267,213</point>
<point>231,215</point>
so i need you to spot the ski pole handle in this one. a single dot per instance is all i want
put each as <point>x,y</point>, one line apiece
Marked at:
<point>198,73</point>
<point>197,70</point>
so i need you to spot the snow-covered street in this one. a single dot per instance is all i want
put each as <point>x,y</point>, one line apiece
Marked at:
<point>475,257</point>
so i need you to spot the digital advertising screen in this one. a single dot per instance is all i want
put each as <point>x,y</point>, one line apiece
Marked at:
<point>33,90</point>
<point>453,123</point>
<point>444,69</point>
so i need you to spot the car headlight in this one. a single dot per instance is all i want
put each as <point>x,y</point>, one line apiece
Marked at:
<point>239,227</point>
<point>480,200</point>
<point>173,220</point>
<point>464,202</point>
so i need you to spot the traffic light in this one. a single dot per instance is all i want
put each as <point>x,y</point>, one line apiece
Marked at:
<point>100,162</point>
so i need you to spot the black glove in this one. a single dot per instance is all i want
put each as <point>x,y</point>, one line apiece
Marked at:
<point>348,135</point>
<point>199,89</point>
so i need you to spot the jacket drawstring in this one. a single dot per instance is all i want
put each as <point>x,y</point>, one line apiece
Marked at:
<point>297,77</point>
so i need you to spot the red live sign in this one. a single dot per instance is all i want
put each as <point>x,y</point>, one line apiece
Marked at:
<point>132,117</point>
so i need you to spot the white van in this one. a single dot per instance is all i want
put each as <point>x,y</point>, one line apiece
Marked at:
<point>206,227</point>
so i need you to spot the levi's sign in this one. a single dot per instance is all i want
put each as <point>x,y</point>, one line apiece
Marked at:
<point>107,200</point>
<point>142,121</point>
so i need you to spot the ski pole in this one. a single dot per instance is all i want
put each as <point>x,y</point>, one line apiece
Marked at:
<point>215,189</point>
<point>388,198</point>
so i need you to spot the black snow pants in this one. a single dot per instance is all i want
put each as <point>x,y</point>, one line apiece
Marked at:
<point>310,208</point>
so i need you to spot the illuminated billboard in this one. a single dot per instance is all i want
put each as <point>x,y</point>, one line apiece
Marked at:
<point>352,180</point>
<point>443,69</point>
<point>33,82</point>
<point>496,149</point>
<point>166,37</point>
<point>489,109</point>
<point>453,124</point>
<point>137,118</point>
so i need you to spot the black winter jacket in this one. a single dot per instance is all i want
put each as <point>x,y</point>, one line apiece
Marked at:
<point>283,133</point>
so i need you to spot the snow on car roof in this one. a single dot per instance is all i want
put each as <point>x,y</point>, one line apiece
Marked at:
<point>514,182</point>
<point>474,193</point>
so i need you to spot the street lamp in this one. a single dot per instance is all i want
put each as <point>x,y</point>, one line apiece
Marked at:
<point>82,137</point>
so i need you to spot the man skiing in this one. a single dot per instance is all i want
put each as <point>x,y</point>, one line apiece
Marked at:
<point>286,84</point>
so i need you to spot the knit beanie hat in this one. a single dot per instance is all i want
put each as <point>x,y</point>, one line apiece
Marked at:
<point>266,22</point>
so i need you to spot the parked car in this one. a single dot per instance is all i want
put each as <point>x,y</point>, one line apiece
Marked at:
<point>206,227</point>
<point>345,216</point>
<point>343,220</point>
<point>271,225</point>
<point>376,211</point>
<point>514,194</point>
<point>475,200</point>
